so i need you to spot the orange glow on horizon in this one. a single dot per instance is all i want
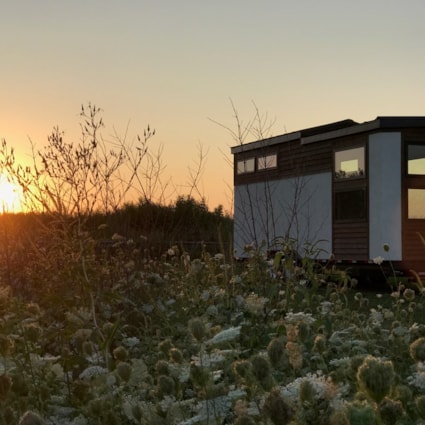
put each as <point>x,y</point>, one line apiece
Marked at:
<point>11,196</point>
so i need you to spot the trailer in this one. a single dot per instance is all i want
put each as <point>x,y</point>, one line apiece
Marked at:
<point>351,191</point>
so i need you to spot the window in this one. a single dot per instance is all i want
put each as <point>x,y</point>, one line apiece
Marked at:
<point>246,166</point>
<point>416,203</point>
<point>416,159</point>
<point>350,163</point>
<point>350,205</point>
<point>267,161</point>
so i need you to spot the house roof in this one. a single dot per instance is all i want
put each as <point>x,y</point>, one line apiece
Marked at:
<point>336,129</point>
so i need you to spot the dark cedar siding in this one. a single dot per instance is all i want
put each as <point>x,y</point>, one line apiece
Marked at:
<point>413,248</point>
<point>293,160</point>
<point>351,241</point>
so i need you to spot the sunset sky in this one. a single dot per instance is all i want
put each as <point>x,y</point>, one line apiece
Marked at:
<point>175,65</point>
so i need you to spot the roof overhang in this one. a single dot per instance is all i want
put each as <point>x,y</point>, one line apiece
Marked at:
<point>334,131</point>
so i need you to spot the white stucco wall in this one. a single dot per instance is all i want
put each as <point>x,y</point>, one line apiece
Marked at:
<point>300,208</point>
<point>385,195</point>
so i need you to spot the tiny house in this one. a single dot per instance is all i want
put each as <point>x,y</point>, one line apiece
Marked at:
<point>343,189</point>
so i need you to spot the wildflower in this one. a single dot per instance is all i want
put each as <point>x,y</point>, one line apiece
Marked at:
<point>166,385</point>
<point>162,367</point>
<point>276,351</point>
<point>226,335</point>
<point>361,413</point>
<point>120,353</point>
<point>197,329</point>
<point>92,371</point>
<point>277,408</point>
<point>378,260</point>
<point>236,280</point>
<point>255,304</point>
<point>262,371</point>
<point>420,406</point>
<point>417,380</point>
<point>6,345</point>
<point>391,411</point>
<point>88,348</point>
<point>338,417</point>
<point>32,332</point>
<point>131,341</point>
<point>409,294</point>
<point>376,317</point>
<point>376,377</point>
<point>218,257</point>
<point>243,368</point>
<point>31,418</point>
<point>326,308</point>
<point>5,386</point>
<point>417,349</point>
<point>33,309</point>
<point>176,355</point>
<point>245,420</point>
<point>295,354</point>
<point>197,266</point>
<point>319,344</point>
<point>295,318</point>
<point>165,346</point>
<point>124,371</point>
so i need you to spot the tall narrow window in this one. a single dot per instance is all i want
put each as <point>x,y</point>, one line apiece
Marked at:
<point>350,205</point>
<point>416,203</point>
<point>267,161</point>
<point>350,163</point>
<point>416,159</point>
<point>245,166</point>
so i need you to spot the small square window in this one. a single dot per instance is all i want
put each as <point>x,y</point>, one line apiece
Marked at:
<point>246,166</point>
<point>416,203</point>
<point>416,159</point>
<point>350,163</point>
<point>267,161</point>
<point>350,205</point>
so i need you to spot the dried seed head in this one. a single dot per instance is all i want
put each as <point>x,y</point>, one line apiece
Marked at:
<point>120,353</point>
<point>124,370</point>
<point>31,418</point>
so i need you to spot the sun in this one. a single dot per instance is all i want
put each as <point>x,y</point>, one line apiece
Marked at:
<point>10,196</point>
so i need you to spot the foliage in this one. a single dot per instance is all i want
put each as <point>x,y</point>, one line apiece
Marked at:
<point>97,329</point>
<point>200,340</point>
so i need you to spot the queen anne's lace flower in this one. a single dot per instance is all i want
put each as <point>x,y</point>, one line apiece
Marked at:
<point>93,371</point>
<point>226,335</point>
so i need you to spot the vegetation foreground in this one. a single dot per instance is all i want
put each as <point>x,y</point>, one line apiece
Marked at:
<point>122,338</point>
<point>98,328</point>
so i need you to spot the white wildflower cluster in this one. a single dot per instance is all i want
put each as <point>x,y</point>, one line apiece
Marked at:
<point>133,406</point>
<point>131,342</point>
<point>342,362</point>
<point>318,381</point>
<point>325,308</point>
<point>323,388</point>
<point>300,317</point>
<point>225,335</point>
<point>212,358</point>
<point>376,317</point>
<point>92,372</point>
<point>417,380</point>
<point>378,260</point>
<point>79,316</point>
<point>215,408</point>
<point>255,304</point>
